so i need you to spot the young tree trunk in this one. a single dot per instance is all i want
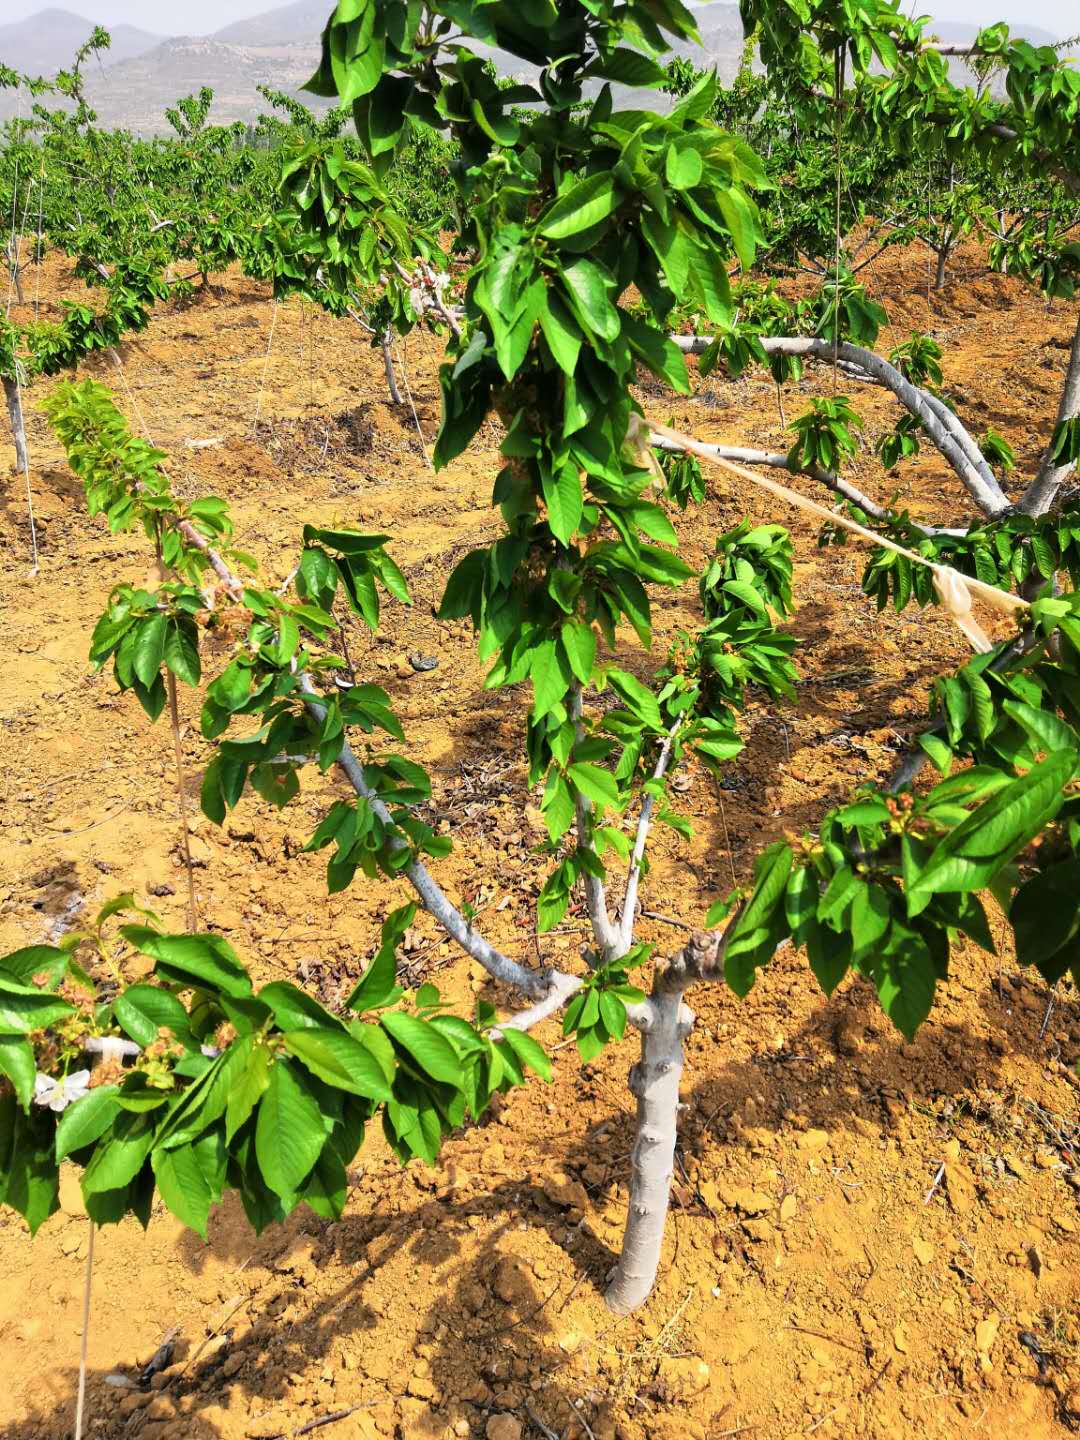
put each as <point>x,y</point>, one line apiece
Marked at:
<point>15,268</point>
<point>942,261</point>
<point>654,1080</point>
<point>391,378</point>
<point>18,429</point>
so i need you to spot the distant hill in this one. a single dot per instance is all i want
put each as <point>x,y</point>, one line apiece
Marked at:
<point>45,42</point>
<point>134,93</point>
<point>143,73</point>
<point>299,23</point>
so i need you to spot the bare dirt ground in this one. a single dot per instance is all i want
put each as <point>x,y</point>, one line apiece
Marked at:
<point>862,1229</point>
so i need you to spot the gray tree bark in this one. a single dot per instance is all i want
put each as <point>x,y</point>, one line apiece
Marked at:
<point>654,1081</point>
<point>978,479</point>
<point>18,427</point>
<point>1042,491</point>
<point>664,1022</point>
<point>388,361</point>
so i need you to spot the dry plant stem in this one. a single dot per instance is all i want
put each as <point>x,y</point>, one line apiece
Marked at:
<point>412,407</point>
<point>1000,600</point>
<point>664,1022</point>
<point>181,790</point>
<point>637,855</point>
<point>1042,491</point>
<point>779,461</point>
<point>265,367</point>
<point>80,1401</point>
<point>606,934</point>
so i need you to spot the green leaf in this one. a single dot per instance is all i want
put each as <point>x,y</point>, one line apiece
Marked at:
<point>1045,912</point>
<point>550,678</point>
<point>24,1008</point>
<point>580,206</point>
<point>758,930</point>
<point>968,857</point>
<point>800,904</point>
<point>183,1186</point>
<point>378,984</point>
<point>905,982</point>
<point>579,645</point>
<point>289,1131</point>
<point>181,651</point>
<point>561,333</point>
<point>149,648</point>
<point>30,1181</point>
<point>564,501</point>
<point>939,753</point>
<point>247,1090</point>
<point>204,961</point>
<point>588,291</point>
<point>829,955</point>
<point>295,1010</point>
<point>636,697</point>
<point>327,1185</point>
<point>683,167</point>
<point>1048,732</point>
<point>613,1014</point>
<point>432,1052</point>
<point>18,1064</point>
<point>205,1102</point>
<point>528,1051</point>
<point>120,1154</point>
<point>341,1061</point>
<point>142,1010</point>
<point>43,965</point>
<point>86,1120</point>
<point>597,784</point>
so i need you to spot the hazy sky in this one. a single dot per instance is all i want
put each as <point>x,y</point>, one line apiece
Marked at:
<point>195,17</point>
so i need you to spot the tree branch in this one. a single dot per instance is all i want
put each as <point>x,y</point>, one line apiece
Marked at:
<point>1042,491</point>
<point>945,434</point>
<point>633,878</point>
<point>835,483</point>
<point>604,931</point>
<point>499,966</point>
<point>563,986</point>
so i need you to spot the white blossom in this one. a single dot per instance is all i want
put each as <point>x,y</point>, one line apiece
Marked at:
<point>59,1094</point>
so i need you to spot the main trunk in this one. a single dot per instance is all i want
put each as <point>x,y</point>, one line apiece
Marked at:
<point>942,262</point>
<point>18,429</point>
<point>654,1080</point>
<point>391,378</point>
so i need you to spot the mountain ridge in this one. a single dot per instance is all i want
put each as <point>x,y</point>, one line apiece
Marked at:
<point>142,73</point>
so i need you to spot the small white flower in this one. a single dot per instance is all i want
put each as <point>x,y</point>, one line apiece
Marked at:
<point>59,1094</point>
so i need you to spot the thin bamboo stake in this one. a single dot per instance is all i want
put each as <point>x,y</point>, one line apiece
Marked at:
<point>266,362</point>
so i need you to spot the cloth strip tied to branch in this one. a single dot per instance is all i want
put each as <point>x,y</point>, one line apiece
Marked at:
<point>955,591</point>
